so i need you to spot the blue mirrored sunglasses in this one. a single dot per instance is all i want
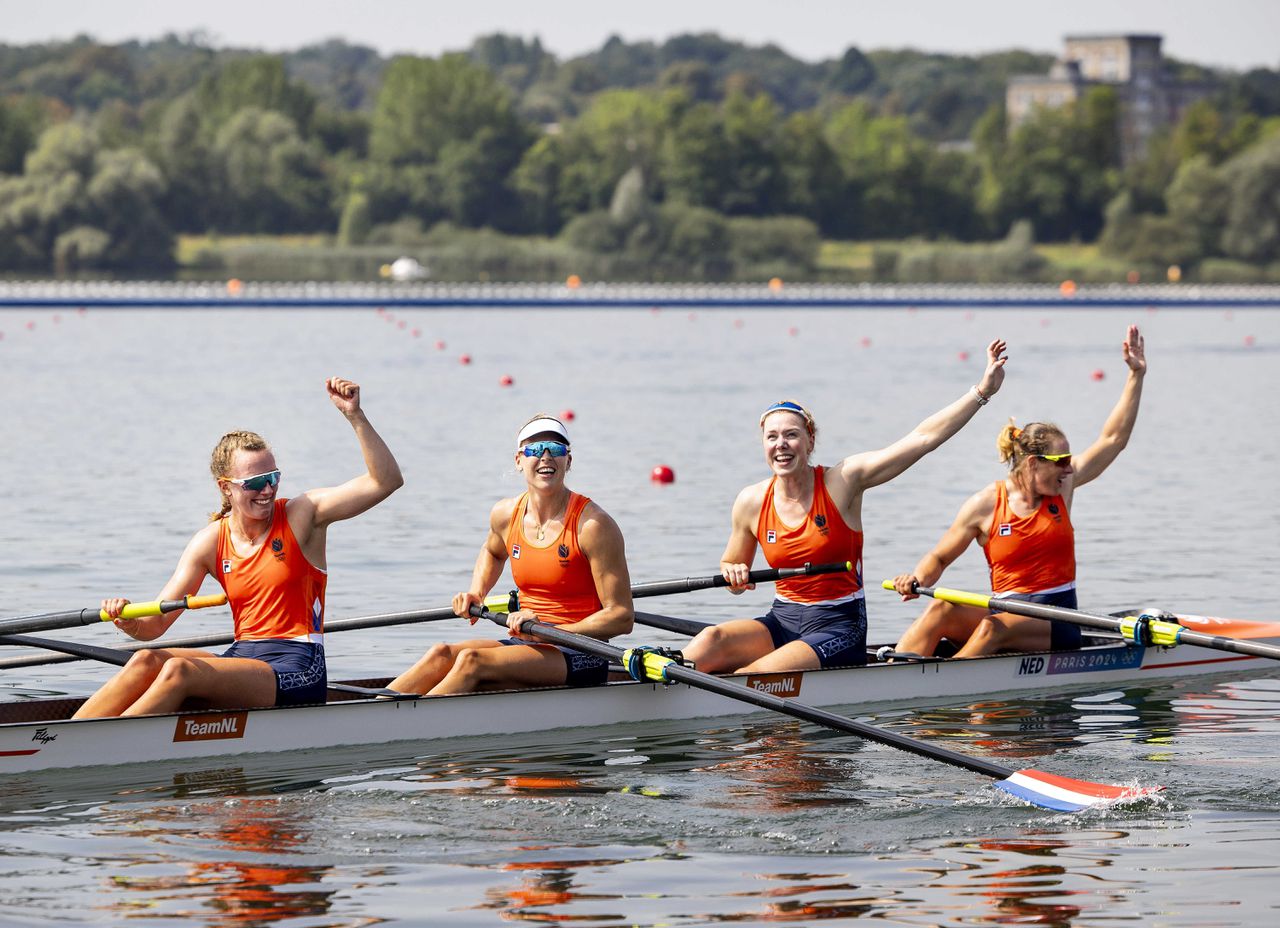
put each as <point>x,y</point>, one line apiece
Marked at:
<point>257,482</point>
<point>536,449</point>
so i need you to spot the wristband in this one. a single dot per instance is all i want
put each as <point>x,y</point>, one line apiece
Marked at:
<point>977,395</point>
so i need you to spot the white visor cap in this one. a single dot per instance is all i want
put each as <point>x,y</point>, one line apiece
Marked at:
<point>540,426</point>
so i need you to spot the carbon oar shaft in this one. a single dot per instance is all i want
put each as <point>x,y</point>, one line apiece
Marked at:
<point>705,681</point>
<point>51,620</point>
<point>768,575</point>
<point>1132,628</point>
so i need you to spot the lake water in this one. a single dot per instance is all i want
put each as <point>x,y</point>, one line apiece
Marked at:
<point>110,417</point>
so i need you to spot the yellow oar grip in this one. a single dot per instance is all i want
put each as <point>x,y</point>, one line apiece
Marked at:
<point>959,597</point>
<point>499,604</point>
<point>156,607</point>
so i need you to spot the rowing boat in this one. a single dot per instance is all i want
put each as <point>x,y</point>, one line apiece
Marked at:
<point>39,734</point>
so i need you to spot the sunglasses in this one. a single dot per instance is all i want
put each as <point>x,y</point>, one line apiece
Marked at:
<point>1062,459</point>
<point>257,482</point>
<point>536,449</point>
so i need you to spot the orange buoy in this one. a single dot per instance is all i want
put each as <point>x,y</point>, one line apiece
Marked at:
<point>440,346</point>
<point>506,380</point>
<point>566,415</point>
<point>963,356</point>
<point>31,325</point>
<point>465,359</point>
<point>573,282</point>
<point>1067,288</point>
<point>1248,341</point>
<point>793,331</point>
<point>775,284</point>
<point>234,286</point>
<point>662,474</point>
<point>416,333</point>
<point>1133,277</point>
<point>1099,374</point>
<point>866,341</point>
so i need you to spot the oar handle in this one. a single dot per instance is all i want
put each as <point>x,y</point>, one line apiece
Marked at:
<point>766,575</point>
<point>160,607</point>
<point>1145,630</point>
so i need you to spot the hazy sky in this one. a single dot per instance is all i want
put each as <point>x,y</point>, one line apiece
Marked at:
<point>1238,34</point>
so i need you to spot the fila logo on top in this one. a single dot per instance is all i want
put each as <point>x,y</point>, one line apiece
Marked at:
<point>226,567</point>
<point>515,552</point>
<point>1006,528</point>
<point>770,536</point>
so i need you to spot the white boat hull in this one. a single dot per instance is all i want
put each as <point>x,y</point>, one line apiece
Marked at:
<point>36,735</point>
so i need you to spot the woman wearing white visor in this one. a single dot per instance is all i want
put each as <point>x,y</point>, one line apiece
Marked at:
<point>568,563</point>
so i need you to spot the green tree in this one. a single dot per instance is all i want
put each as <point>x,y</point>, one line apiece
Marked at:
<point>1252,229</point>
<point>259,82</point>
<point>272,180</point>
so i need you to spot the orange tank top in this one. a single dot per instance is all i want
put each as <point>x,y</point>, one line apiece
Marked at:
<point>555,581</point>
<point>274,592</point>
<point>822,538</point>
<point>1030,554</point>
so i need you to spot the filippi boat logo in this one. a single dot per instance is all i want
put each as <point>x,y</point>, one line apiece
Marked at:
<point>42,735</point>
<point>776,684</point>
<point>211,727</point>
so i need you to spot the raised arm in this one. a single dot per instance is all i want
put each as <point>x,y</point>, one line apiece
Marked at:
<point>602,543</point>
<point>872,468</point>
<point>968,526</point>
<point>193,567</point>
<point>1119,425</point>
<point>381,478</point>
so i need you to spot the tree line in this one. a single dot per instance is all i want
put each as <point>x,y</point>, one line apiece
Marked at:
<point>698,158</point>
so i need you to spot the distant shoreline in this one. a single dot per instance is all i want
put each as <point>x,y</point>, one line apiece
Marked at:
<point>250,295</point>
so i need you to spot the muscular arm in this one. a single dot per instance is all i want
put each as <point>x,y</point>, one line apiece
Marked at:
<point>194,565</point>
<point>316,509</point>
<point>1119,425</point>
<point>872,468</point>
<point>735,563</point>
<point>602,543</point>
<point>969,526</point>
<point>490,560</point>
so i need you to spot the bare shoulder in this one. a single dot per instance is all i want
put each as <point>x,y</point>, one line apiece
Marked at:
<point>596,521</point>
<point>977,509</point>
<point>503,512</point>
<point>751,498</point>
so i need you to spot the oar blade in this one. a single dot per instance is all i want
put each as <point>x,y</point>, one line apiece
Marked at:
<point>1063,794</point>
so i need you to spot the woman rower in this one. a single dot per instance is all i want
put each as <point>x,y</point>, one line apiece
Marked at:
<point>1023,524</point>
<point>812,514</point>
<point>569,565</point>
<point>269,556</point>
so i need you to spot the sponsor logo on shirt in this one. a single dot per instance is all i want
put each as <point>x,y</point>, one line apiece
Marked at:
<point>563,551</point>
<point>821,521</point>
<point>211,726</point>
<point>226,567</point>
<point>1006,528</point>
<point>770,536</point>
<point>277,548</point>
<point>515,552</point>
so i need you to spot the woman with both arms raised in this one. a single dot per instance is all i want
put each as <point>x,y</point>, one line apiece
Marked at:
<point>1023,524</point>
<point>569,565</point>
<point>269,556</point>
<point>812,514</point>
